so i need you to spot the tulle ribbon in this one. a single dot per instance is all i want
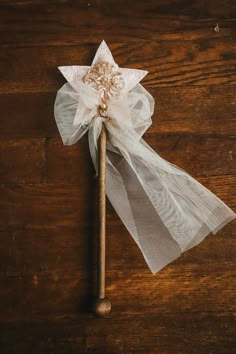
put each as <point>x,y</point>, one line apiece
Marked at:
<point>164,209</point>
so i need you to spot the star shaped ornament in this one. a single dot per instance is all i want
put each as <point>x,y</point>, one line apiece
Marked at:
<point>106,81</point>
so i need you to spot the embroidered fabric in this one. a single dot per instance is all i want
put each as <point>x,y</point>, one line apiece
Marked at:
<point>165,209</point>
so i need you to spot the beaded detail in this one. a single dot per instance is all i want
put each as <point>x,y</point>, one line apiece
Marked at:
<point>105,78</point>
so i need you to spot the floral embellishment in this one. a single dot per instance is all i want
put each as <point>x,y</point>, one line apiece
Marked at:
<point>105,78</point>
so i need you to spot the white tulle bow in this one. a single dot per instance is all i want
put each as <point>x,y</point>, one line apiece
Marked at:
<point>165,210</point>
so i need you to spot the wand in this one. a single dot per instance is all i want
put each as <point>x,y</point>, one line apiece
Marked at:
<point>165,210</point>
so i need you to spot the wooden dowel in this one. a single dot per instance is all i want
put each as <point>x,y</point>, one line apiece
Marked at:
<point>102,304</point>
<point>102,214</point>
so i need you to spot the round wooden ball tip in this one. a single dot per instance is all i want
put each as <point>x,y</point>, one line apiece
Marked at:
<point>102,307</point>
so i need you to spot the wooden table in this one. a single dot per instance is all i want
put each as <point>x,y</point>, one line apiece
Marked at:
<point>47,189</point>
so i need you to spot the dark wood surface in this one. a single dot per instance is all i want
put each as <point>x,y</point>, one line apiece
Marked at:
<point>47,189</point>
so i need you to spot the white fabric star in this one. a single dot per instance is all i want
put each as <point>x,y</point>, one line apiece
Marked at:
<point>74,74</point>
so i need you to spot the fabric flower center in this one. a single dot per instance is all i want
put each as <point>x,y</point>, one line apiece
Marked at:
<point>105,78</point>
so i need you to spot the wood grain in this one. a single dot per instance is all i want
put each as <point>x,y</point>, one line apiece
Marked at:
<point>42,296</point>
<point>215,156</point>
<point>83,335</point>
<point>40,23</point>
<point>55,251</point>
<point>198,109</point>
<point>47,190</point>
<point>28,206</point>
<point>210,61</point>
<point>37,160</point>
<point>22,161</point>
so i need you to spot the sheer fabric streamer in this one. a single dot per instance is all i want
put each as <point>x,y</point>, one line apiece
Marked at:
<point>164,209</point>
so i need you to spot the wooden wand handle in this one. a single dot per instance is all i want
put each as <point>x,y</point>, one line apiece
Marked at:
<point>102,304</point>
